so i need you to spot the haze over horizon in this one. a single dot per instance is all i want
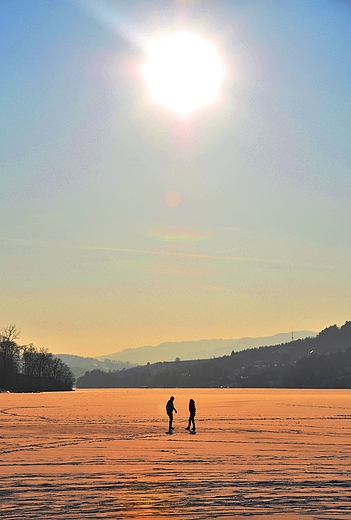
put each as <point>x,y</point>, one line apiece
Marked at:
<point>131,215</point>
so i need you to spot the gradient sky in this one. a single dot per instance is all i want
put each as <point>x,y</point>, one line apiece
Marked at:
<point>123,224</point>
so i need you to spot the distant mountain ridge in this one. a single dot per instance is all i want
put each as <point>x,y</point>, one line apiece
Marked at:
<point>200,349</point>
<point>323,361</point>
<point>79,364</point>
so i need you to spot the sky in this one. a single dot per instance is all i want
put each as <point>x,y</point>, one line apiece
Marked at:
<point>125,221</point>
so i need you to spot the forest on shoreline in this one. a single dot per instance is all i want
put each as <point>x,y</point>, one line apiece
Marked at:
<point>23,368</point>
<point>323,361</point>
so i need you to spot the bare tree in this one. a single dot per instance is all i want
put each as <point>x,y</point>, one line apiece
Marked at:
<point>41,364</point>
<point>29,356</point>
<point>9,352</point>
<point>22,366</point>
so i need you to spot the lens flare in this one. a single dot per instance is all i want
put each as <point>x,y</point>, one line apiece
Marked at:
<point>172,199</point>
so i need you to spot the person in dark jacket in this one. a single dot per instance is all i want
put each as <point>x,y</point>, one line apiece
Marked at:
<point>192,411</point>
<point>170,409</point>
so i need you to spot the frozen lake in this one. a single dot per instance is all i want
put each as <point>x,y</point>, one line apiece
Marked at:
<point>282,454</point>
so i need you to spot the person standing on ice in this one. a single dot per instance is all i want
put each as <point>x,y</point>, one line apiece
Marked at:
<point>192,411</point>
<point>170,409</point>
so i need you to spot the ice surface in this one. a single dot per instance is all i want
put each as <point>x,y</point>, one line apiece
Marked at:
<point>277,454</point>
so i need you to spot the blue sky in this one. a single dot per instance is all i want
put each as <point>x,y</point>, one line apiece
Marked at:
<point>94,258</point>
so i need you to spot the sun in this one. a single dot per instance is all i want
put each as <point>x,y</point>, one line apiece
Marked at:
<point>183,72</point>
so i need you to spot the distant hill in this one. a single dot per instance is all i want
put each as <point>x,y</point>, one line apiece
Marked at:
<point>323,361</point>
<point>201,349</point>
<point>79,364</point>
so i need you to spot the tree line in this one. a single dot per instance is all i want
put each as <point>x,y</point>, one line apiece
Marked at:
<point>323,361</point>
<point>25,368</point>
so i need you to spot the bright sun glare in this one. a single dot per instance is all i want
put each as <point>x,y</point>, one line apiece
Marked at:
<point>183,71</point>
